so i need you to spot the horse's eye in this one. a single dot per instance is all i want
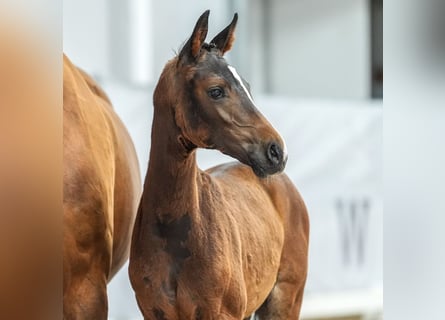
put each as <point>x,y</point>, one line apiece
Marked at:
<point>216,93</point>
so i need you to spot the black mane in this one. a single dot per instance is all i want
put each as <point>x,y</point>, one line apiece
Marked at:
<point>208,46</point>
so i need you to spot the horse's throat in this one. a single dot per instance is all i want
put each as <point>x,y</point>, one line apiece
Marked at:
<point>172,176</point>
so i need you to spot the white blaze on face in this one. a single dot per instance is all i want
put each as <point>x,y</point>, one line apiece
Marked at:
<point>238,78</point>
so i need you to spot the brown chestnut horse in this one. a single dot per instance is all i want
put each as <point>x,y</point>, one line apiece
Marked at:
<point>101,189</point>
<point>233,240</point>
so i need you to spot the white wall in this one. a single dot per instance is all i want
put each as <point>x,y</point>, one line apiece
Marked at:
<point>85,34</point>
<point>318,48</point>
<point>175,21</point>
<point>132,40</point>
<point>321,48</point>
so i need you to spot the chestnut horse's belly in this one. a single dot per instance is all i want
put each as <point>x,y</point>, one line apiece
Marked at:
<point>127,190</point>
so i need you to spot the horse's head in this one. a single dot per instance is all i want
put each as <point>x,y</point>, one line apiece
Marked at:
<point>214,107</point>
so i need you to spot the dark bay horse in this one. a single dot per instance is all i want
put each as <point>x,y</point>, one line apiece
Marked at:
<point>230,241</point>
<point>101,189</point>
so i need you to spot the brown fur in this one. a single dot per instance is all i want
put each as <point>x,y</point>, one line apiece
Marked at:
<point>100,195</point>
<point>223,243</point>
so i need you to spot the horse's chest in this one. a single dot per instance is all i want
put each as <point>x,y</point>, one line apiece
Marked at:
<point>175,235</point>
<point>189,269</point>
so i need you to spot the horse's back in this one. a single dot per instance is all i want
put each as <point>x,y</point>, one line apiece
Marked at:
<point>101,183</point>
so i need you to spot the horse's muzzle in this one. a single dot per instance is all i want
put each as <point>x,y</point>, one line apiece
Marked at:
<point>268,160</point>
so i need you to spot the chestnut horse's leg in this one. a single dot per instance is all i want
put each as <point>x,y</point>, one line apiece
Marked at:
<point>283,303</point>
<point>86,261</point>
<point>285,299</point>
<point>86,299</point>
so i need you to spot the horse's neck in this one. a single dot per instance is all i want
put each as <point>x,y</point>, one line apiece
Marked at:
<point>172,181</point>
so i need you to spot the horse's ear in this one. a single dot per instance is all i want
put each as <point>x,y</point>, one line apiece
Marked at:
<point>224,40</point>
<point>193,45</point>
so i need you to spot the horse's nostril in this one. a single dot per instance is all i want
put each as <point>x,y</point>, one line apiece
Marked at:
<point>274,153</point>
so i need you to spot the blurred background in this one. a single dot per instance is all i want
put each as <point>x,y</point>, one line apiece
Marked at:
<point>316,72</point>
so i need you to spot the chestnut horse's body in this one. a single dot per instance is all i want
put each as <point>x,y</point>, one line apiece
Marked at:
<point>100,195</point>
<point>230,241</point>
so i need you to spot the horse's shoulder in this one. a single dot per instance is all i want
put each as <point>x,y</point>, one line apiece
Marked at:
<point>279,187</point>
